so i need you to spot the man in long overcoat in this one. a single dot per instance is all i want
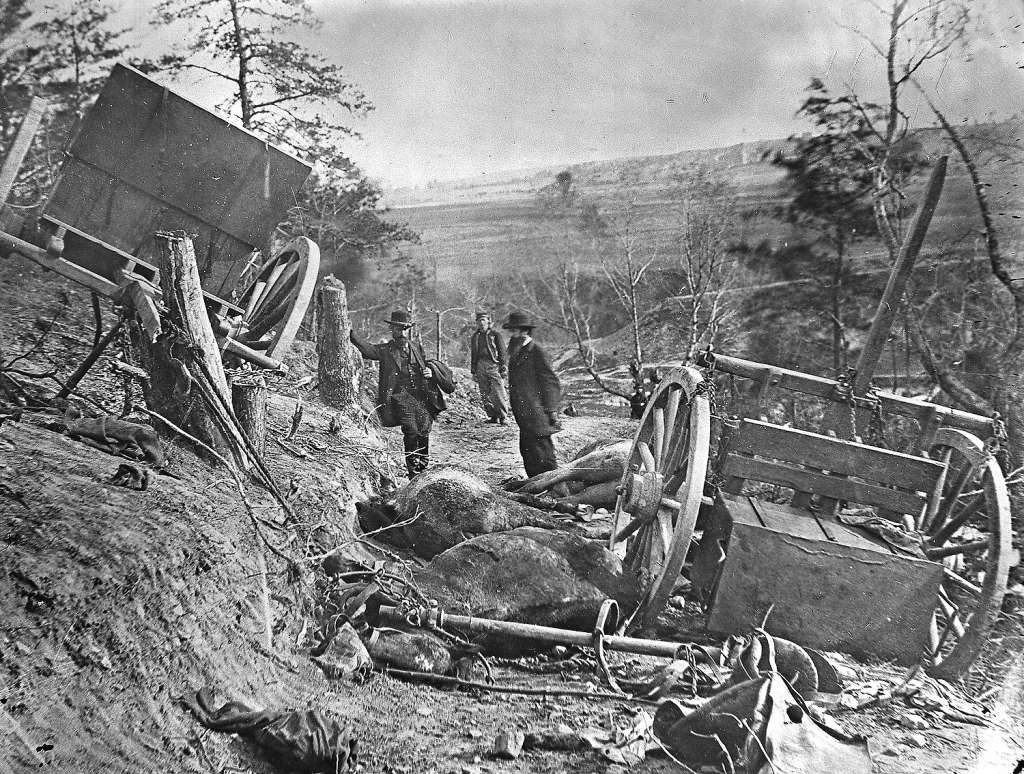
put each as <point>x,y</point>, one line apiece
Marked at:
<point>403,388</point>
<point>489,365</point>
<point>535,394</point>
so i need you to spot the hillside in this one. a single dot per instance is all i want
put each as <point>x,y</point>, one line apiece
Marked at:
<point>473,230</point>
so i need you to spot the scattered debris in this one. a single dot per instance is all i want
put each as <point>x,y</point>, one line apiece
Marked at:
<point>343,656</point>
<point>132,477</point>
<point>307,741</point>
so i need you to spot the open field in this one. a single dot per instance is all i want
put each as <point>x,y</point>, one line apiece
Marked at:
<point>474,230</point>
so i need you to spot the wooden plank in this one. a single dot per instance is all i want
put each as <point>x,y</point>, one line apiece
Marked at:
<point>20,147</point>
<point>790,521</point>
<point>869,463</point>
<point>803,480</point>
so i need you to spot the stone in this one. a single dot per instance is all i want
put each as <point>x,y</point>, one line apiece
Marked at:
<point>344,656</point>
<point>916,740</point>
<point>508,744</point>
<point>914,722</point>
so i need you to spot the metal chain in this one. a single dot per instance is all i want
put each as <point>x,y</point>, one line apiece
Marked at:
<point>876,425</point>
<point>844,394</point>
<point>997,442</point>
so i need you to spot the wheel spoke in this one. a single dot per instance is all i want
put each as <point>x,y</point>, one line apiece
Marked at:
<point>633,525</point>
<point>960,582</point>
<point>957,548</point>
<point>935,501</point>
<point>659,437</point>
<point>647,456</point>
<point>271,281</point>
<point>952,613</point>
<point>666,526</point>
<point>948,529</point>
<point>281,293</point>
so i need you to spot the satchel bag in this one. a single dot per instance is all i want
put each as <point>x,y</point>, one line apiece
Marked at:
<point>443,376</point>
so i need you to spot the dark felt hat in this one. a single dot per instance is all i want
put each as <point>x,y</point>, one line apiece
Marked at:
<point>519,320</point>
<point>400,317</point>
<point>481,313</point>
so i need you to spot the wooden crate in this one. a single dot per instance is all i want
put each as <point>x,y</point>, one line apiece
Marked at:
<point>829,586</point>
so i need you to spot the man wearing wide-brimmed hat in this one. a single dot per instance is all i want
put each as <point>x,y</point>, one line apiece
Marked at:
<point>402,387</point>
<point>489,365</point>
<point>535,394</point>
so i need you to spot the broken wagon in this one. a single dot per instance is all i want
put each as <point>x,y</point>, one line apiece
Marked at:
<point>145,160</point>
<point>834,540</point>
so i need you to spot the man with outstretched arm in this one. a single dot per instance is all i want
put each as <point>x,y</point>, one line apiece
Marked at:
<point>402,388</point>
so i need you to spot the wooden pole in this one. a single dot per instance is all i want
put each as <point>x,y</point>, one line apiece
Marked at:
<point>893,295</point>
<point>338,368</point>
<point>20,146</point>
<point>437,332</point>
<point>249,400</point>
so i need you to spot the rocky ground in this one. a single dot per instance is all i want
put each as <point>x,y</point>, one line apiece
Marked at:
<point>115,602</point>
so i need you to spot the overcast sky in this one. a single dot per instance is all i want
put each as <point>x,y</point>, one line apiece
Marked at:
<point>470,87</point>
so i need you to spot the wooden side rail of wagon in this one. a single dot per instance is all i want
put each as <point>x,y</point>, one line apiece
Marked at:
<point>258,331</point>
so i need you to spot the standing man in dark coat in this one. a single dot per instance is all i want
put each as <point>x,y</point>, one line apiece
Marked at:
<point>489,366</point>
<point>402,388</point>
<point>535,394</point>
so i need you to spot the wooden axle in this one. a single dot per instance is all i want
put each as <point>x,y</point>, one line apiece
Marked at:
<point>828,389</point>
<point>433,617</point>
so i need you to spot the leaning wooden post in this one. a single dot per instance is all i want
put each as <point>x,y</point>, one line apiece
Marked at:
<point>249,399</point>
<point>338,368</point>
<point>839,416</point>
<point>20,146</point>
<point>187,383</point>
<point>901,271</point>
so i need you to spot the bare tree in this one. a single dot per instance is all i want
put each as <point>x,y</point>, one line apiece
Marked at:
<point>626,268</point>
<point>991,382</point>
<point>706,224</point>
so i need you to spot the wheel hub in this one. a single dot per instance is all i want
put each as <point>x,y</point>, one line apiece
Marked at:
<point>642,494</point>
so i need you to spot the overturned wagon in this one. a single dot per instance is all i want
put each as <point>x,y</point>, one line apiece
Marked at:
<point>840,543</point>
<point>146,160</point>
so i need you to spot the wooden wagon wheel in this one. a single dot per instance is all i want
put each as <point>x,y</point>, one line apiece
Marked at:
<point>968,529</point>
<point>661,490</point>
<point>277,298</point>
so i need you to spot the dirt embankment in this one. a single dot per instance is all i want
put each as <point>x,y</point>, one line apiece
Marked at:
<point>116,601</point>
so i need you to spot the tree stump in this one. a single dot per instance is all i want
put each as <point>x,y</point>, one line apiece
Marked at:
<point>187,381</point>
<point>339,367</point>
<point>249,399</point>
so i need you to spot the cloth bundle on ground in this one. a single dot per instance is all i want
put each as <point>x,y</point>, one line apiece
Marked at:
<point>589,479</point>
<point>758,726</point>
<point>442,507</point>
<point>300,741</point>
<point>530,575</point>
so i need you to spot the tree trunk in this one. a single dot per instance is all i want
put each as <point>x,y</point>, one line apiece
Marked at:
<point>339,368</point>
<point>186,351</point>
<point>249,399</point>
